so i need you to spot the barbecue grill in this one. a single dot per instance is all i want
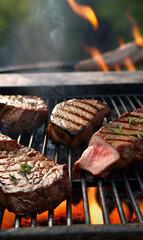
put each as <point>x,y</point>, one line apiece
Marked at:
<point>120,98</point>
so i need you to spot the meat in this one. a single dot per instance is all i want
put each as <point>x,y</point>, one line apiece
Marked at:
<point>114,146</point>
<point>72,122</point>
<point>22,112</point>
<point>30,182</point>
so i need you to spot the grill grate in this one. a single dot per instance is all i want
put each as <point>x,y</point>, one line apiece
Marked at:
<point>128,180</point>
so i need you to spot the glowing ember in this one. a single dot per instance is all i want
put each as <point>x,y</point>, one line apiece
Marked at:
<point>140,204</point>
<point>114,215</point>
<point>96,216</point>
<point>77,212</point>
<point>42,219</point>
<point>8,220</point>
<point>94,52</point>
<point>136,33</point>
<point>85,12</point>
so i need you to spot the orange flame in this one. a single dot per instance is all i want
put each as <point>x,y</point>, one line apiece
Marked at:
<point>140,204</point>
<point>8,220</point>
<point>85,12</point>
<point>94,52</point>
<point>128,62</point>
<point>121,41</point>
<point>136,33</point>
<point>96,216</point>
<point>114,215</point>
<point>117,67</point>
<point>42,219</point>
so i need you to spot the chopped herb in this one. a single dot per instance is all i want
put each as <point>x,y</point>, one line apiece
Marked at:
<point>120,131</point>
<point>12,177</point>
<point>25,168</point>
<point>131,120</point>
<point>120,127</point>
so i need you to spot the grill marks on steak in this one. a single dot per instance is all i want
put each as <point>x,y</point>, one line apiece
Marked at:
<point>109,150</point>
<point>42,188</point>
<point>22,112</point>
<point>72,122</point>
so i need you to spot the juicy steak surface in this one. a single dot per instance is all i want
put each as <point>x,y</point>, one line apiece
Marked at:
<point>30,182</point>
<point>72,122</point>
<point>22,112</point>
<point>114,146</point>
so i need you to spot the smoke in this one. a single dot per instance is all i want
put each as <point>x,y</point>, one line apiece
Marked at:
<point>57,34</point>
<point>38,36</point>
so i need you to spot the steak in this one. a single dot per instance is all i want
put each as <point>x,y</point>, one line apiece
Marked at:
<point>72,122</point>
<point>114,146</point>
<point>30,182</point>
<point>22,112</point>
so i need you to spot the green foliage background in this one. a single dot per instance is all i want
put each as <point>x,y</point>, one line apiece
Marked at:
<point>45,30</point>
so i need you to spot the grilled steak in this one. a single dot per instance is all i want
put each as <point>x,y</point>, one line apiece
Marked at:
<point>114,146</point>
<point>22,112</point>
<point>30,182</point>
<point>72,122</point>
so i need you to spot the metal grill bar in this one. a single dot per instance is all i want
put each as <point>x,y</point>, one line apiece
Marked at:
<point>118,202</point>
<point>69,213</point>
<point>118,105</point>
<point>139,180</point>
<point>103,203</point>
<point>1,214</point>
<point>85,199</point>
<point>33,220</point>
<point>133,201</point>
<point>17,223</point>
<point>51,218</point>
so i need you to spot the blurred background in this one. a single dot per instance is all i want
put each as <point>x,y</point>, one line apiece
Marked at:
<point>49,30</point>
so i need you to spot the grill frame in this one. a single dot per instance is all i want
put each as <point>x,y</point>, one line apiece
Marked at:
<point>121,231</point>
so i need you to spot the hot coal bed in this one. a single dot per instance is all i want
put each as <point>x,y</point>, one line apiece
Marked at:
<point>124,186</point>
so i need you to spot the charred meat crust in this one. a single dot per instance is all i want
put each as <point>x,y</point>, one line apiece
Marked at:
<point>124,138</point>
<point>72,122</point>
<point>38,187</point>
<point>22,112</point>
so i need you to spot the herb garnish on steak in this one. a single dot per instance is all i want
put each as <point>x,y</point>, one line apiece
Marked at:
<point>114,146</point>
<point>29,181</point>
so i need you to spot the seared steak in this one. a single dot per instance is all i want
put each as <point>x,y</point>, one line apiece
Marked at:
<point>22,112</point>
<point>72,122</point>
<point>30,182</point>
<point>114,146</point>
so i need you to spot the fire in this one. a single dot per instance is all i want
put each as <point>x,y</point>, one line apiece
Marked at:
<point>117,67</point>
<point>128,62</point>
<point>96,216</point>
<point>8,220</point>
<point>114,215</point>
<point>95,53</point>
<point>136,33</point>
<point>121,41</point>
<point>140,204</point>
<point>42,219</point>
<point>85,12</point>
<point>129,214</point>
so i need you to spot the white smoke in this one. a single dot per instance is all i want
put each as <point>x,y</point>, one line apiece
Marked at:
<point>57,34</point>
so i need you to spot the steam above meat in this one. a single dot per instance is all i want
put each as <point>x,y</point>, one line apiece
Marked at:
<point>72,122</point>
<point>114,146</point>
